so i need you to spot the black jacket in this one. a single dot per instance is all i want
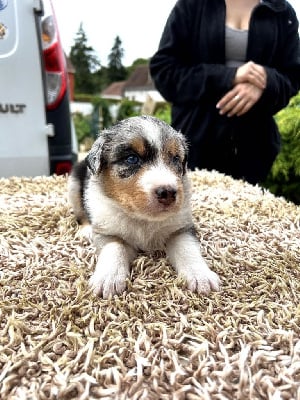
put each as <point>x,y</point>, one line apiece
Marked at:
<point>189,71</point>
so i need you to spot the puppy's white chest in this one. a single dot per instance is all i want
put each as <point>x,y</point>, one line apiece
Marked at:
<point>141,235</point>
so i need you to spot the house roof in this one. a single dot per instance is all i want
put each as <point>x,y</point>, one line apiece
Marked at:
<point>114,90</point>
<point>139,86</point>
<point>140,78</point>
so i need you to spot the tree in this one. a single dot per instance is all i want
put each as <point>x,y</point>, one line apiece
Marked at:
<point>85,62</point>
<point>116,71</point>
<point>136,63</point>
<point>100,79</point>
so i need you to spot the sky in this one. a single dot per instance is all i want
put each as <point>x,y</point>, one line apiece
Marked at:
<point>138,23</point>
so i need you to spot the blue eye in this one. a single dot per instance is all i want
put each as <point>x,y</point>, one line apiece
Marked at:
<point>133,159</point>
<point>176,159</point>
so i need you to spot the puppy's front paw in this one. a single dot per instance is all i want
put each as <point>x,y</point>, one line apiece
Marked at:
<point>85,232</point>
<point>201,280</point>
<point>107,283</point>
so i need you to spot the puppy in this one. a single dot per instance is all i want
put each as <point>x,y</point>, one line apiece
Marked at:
<point>134,191</point>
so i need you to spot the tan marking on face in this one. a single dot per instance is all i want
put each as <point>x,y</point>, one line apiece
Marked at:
<point>172,148</point>
<point>138,145</point>
<point>135,198</point>
<point>126,192</point>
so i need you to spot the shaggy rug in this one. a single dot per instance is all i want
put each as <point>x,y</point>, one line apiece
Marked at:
<point>157,340</point>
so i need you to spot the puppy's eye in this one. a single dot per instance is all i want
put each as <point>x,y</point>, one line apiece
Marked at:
<point>176,159</point>
<point>133,159</point>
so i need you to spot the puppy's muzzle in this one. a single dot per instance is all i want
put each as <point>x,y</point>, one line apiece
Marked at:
<point>166,195</point>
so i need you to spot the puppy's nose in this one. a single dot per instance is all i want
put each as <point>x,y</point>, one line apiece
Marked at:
<point>166,195</point>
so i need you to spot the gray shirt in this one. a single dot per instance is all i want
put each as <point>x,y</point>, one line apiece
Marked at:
<point>236,41</point>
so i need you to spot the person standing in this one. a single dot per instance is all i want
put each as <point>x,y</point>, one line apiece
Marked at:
<point>227,67</point>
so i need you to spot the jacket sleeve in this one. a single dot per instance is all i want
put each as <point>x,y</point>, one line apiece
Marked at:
<point>283,81</point>
<point>175,73</point>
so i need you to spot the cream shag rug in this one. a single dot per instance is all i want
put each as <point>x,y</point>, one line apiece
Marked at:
<point>157,340</point>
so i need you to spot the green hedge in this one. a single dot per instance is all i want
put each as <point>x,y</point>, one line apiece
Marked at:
<point>284,178</point>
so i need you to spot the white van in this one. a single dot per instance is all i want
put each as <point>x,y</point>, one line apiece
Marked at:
<point>36,132</point>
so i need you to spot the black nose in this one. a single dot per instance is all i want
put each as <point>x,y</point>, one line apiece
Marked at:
<point>166,195</point>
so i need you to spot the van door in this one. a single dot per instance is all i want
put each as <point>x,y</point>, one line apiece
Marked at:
<point>23,127</point>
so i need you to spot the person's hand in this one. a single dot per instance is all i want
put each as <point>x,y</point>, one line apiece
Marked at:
<point>239,100</point>
<point>251,73</point>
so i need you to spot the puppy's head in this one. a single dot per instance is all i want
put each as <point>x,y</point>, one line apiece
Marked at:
<point>140,164</point>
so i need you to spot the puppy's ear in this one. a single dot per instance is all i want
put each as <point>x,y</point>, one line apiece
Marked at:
<point>94,159</point>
